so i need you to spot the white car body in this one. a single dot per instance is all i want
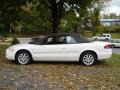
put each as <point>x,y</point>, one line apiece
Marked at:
<point>61,52</point>
<point>104,37</point>
<point>66,52</point>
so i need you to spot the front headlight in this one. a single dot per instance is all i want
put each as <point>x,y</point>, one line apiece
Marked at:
<point>11,49</point>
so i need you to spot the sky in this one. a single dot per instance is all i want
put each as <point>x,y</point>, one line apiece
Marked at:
<point>112,7</point>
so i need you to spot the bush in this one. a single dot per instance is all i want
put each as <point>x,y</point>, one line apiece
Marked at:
<point>15,41</point>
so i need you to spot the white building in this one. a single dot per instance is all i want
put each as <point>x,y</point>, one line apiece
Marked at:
<point>108,22</point>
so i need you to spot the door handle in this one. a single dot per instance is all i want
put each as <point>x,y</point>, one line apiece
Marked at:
<point>63,48</point>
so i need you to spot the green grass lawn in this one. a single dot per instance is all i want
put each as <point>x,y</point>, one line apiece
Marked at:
<point>69,76</point>
<point>116,35</point>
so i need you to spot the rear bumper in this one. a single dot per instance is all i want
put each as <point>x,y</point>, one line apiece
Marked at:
<point>105,55</point>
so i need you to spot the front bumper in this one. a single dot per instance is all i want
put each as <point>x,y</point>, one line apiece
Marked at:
<point>10,55</point>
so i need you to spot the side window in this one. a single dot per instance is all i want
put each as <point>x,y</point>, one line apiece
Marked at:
<point>104,35</point>
<point>48,40</point>
<point>108,35</point>
<point>60,40</point>
<point>55,40</point>
<point>70,40</point>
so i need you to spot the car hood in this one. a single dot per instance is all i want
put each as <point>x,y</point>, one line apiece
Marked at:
<point>25,45</point>
<point>18,45</point>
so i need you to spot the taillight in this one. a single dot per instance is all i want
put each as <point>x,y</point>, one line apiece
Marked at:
<point>107,46</point>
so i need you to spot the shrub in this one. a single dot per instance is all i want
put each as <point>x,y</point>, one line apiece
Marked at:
<point>15,41</point>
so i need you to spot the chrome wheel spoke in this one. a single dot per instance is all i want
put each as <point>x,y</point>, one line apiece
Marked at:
<point>23,58</point>
<point>88,59</point>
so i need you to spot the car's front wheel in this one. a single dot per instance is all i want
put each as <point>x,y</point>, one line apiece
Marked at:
<point>88,58</point>
<point>23,57</point>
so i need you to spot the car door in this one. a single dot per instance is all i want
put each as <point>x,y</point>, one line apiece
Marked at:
<point>54,49</point>
<point>73,49</point>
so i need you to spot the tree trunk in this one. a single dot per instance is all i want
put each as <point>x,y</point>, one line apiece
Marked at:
<point>94,31</point>
<point>75,31</point>
<point>56,10</point>
<point>6,24</point>
<point>7,27</point>
<point>55,21</point>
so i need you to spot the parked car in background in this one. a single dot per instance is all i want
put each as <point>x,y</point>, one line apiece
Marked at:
<point>115,43</point>
<point>60,47</point>
<point>103,37</point>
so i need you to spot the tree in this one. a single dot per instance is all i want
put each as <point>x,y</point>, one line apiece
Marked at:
<point>35,17</point>
<point>59,7</point>
<point>9,12</point>
<point>16,26</point>
<point>113,16</point>
<point>105,16</point>
<point>47,14</point>
<point>95,10</point>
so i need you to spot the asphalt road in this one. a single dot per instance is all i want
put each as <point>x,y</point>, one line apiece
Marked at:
<point>116,50</point>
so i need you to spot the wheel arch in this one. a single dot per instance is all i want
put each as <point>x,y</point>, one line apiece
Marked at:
<point>88,51</point>
<point>23,50</point>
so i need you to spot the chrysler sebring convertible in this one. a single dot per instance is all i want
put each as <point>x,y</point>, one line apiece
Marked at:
<point>62,48</point>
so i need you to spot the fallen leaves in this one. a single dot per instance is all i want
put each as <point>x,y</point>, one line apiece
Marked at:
<point>65,76</point>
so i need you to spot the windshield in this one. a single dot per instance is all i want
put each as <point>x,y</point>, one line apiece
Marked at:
<point>81,39</point>
<point>36,41</point>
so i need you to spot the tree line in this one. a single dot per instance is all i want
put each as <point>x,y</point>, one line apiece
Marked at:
<point>51,16</point>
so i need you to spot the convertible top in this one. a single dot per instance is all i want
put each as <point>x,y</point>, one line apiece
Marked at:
<point>79,38</point>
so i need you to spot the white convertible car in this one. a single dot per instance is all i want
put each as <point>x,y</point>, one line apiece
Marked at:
<point>60,47</point>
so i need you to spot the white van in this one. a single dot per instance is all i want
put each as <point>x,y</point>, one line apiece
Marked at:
<point>105,37</point>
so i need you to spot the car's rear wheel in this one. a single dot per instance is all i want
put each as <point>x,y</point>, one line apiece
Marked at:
<point>88,58</point>
<point>23,57</point>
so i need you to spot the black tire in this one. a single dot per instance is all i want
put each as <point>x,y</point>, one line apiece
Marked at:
<point>23,57</point>
<point>113,46</point>
<point>84,60</point>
